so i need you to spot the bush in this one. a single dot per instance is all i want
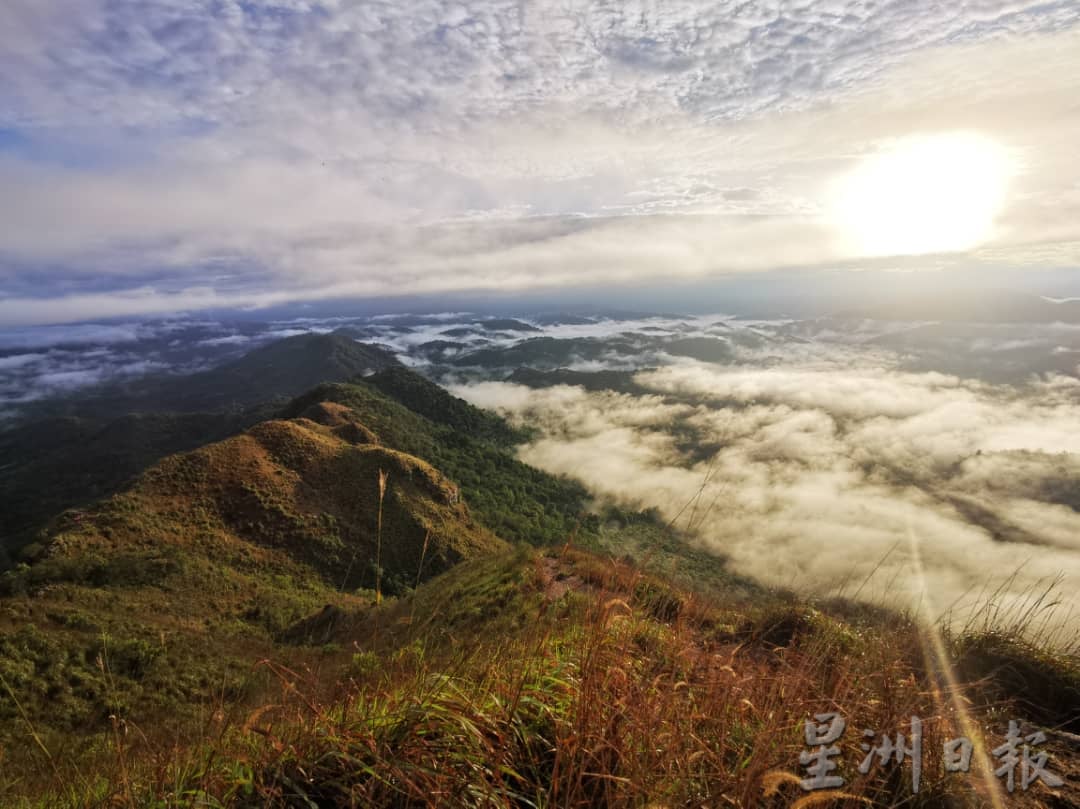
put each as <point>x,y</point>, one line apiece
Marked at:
<point>131,657</point>
<point>1005,667</point>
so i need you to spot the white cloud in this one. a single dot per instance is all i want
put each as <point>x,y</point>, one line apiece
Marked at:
<point>227,340</point>
<point>19,360</point>
<point>823,472</point>
<point>255,153</point>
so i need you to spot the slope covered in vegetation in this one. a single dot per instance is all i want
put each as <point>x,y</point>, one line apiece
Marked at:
<point>73,450</point>
<point>516,501</point>
<point>563,679</point>
<point>425,398</point>
<point>220,549</point>
<point>59,463</point>
<point>208,560</point>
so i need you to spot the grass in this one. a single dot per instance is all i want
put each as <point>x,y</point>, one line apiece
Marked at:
<point>515,501</point>
<point>569,680</point>
<point>201,569</point>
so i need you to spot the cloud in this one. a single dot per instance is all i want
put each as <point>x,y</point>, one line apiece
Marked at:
<point>89,333</point>
<point>820,477</point>
<point>48,361</point>
<point>30,377</point>
<point>68,380</point>
<point>18,361</point>
<point>257,153</point>
<point>430,63</point>
<point>229,339</point>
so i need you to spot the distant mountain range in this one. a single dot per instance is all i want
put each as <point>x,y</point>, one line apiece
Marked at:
<point>278,370</point>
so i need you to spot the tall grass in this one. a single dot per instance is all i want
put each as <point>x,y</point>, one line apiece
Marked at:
<point>383,475</point>
<point>618,691</point>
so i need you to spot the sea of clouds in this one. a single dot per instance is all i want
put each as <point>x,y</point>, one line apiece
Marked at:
<point>921,491</point>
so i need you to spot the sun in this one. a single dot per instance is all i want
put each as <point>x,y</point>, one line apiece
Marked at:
<point>924,194</point>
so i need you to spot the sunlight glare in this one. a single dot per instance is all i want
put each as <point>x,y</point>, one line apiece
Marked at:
<point>925,194</point>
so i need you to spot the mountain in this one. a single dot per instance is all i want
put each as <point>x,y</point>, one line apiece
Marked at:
<point>159,599</point>
<point>305,487</point>
<point>84,447</point>
<point>170,590</point>
<point>621,381</point>
<point>277,371</point>
<point>280,370</point>
<point>706,349</point>
<point>546,353</point>
<point>631,348</point>
<point>506,324</point>
<point>56,463</point>
<point>516,501</point>
<point>424,397</point>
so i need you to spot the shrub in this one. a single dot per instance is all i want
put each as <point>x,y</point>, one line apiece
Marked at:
<point>131,657</point>
<point>1003,666</point>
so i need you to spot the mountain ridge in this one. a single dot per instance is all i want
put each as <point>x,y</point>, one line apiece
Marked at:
<point>209,557</point>
<point>84,447</point>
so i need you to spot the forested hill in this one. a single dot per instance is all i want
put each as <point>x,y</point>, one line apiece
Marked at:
<point>516,501</point>
<point>61,462</point>
<point>71,450</point>
<point>424,397</point>
<point>279,370</point>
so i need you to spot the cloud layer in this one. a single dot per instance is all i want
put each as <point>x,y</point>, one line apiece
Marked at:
<point>930,489</point>
<point>180,154</point>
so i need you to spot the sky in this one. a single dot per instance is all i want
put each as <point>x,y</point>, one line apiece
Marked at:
<point>160,156</point>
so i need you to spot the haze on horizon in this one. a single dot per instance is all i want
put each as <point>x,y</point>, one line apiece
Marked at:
<point>184,155</point>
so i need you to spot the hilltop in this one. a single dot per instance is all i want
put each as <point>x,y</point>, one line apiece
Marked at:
<point>206,560</point>
<point>74,450</point>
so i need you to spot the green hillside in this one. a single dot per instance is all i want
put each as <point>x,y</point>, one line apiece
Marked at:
<point>74,450</point>
<point>212,554</point>
<point>58,463</point>
<point>427,399</point>
<point>516,501</point>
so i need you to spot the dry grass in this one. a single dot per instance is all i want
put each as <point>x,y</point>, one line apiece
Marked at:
<point>612,691</point>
